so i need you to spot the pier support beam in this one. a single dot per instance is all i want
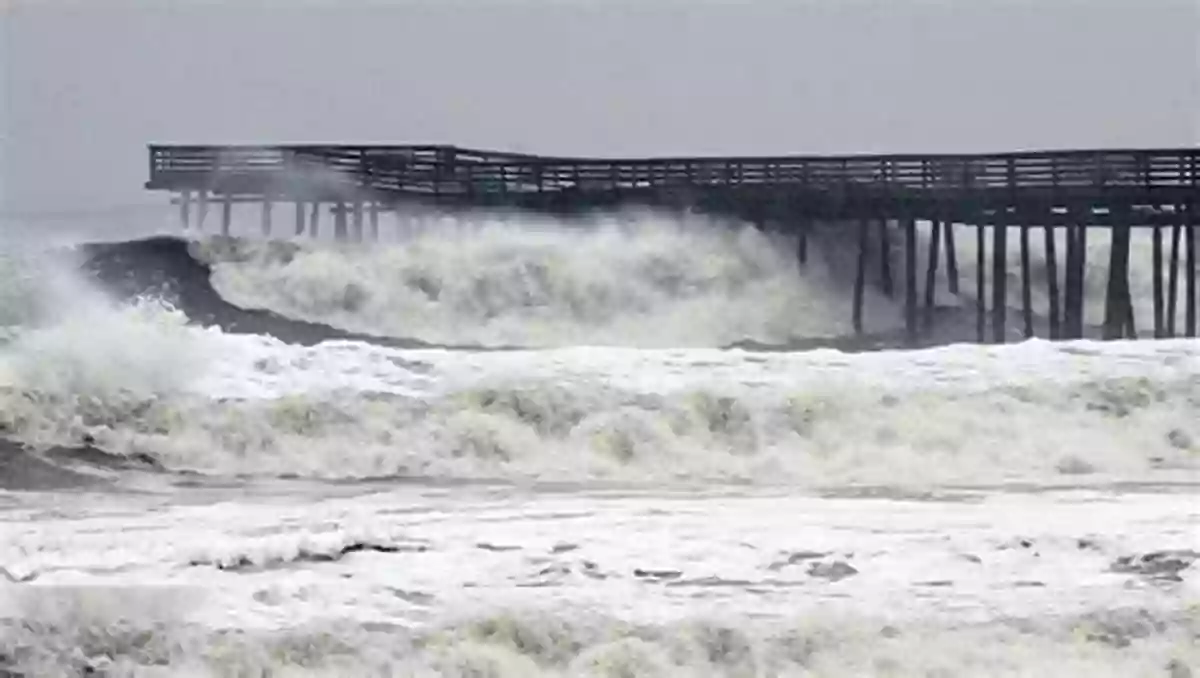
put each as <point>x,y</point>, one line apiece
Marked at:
<point>1190,225</point>
<point>1173,273</point>
<point>299,217</point>
<point>885,259</point>
<point>935,240</point>
<point>1026,284</point>
<point>860,275</point>
<point>951,257</point>
<point>1073,307</point>
<point>1118,307</point>
<point>358,221</point>
<point>267,206</point>
<point>1000,275</point>
<point>1156,266</point>
<point>185,209</point>
<point>226,214</point>
<point>911,325</point>
<point>201,209</point>
<point>981,279</point>
<point>804,225</point>
<point>339,222</point>
<point>1052,310</point>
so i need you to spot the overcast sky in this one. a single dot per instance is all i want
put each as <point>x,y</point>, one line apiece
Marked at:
<point>87,87</point>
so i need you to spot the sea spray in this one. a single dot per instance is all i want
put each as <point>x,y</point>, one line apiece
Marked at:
<point>641,280</point>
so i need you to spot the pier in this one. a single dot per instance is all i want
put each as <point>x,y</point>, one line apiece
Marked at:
<point>1052,196</point>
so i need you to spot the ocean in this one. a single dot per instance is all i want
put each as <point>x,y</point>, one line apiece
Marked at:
<point>641,445</point>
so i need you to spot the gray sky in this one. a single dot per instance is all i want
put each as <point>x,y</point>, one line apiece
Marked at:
<point>87,87</point>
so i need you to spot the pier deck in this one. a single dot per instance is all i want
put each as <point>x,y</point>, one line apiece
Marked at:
<point>1074,190</point>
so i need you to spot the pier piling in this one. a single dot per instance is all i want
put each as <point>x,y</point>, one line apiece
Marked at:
<point>951,257</point>
<point>935,239</point>
<point>885,259</point>
<point>980,281</point>
<point>1052,310</point>
<point>860,275</point>
<point>1026,284</point>
<point>910,279</point>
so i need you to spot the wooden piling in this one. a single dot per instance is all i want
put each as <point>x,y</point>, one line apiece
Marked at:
<point>1173,275</point>
<point>315,219</point>
<point>860,275</point>
<point>1026,284</point>
<point>374,221</point>
<point>803,227</point>
<point>358,221</point>
<point>981,280</point>
<point>185,209</point>
<point>1082,236</point>
<point>266,216</point>
<point>1052,282</point>
<point>201,209</point>
<point>226,214</point>
<point>910,279</point>
<point>1073,309</point>
<point>299,217</point>
<point>1156,266</point>
<point>1117,302</point>
<point>1190,268</point>
<point>951,257</point>
<point>339,221</point>
<point>935,239</point>
<point>885,259</point>
<point>1000,275</point>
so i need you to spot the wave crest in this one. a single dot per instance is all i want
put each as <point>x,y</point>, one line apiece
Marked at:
<point>636,281</point>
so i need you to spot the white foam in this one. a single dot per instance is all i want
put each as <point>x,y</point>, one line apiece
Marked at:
<point>630,280</point>
<point>66,339</point>
<point>1080,412</point>
<point>550,582</point>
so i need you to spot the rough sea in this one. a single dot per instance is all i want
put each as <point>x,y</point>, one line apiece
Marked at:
<point>638,446</point>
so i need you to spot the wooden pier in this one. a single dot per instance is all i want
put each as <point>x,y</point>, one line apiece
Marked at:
<point>1044,194</point>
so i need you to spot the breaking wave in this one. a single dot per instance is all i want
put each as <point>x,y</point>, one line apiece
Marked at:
<point>814,422</point>
<point>640,280</point>
<point>142,633</point>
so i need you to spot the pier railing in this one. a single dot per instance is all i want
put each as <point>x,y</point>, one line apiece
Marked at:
<point>453,171</point>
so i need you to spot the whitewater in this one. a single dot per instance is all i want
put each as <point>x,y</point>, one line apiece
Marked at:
<point>637,445</point>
